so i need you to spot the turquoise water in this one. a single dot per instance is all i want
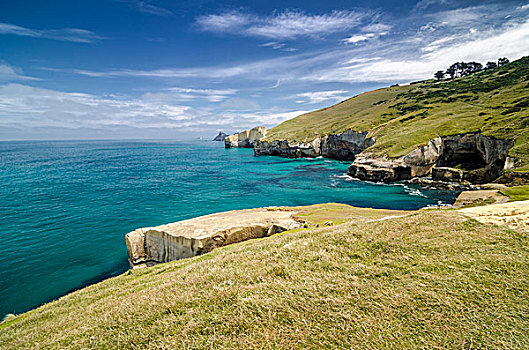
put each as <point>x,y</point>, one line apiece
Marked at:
<point>66,206</point>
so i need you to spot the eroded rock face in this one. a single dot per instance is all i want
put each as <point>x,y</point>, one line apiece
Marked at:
<point>345,145</point>
<point>184,239</point>
<point>289,149</point>
<point>246,138</point>
<point>340,146</point>
<point>472,158</point>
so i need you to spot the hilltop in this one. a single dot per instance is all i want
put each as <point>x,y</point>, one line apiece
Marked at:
<point>401,118</point>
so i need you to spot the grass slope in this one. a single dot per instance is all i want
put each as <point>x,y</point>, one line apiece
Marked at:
<point>517,193</point>
<point>403,117</point>
<point>432,279</point>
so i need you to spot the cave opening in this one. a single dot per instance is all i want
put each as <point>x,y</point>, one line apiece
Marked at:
<point>469,158</point>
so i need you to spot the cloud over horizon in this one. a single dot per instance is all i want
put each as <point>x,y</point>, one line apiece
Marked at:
<point>30,107</point>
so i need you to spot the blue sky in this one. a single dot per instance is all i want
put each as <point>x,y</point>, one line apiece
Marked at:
<point>173,69</point>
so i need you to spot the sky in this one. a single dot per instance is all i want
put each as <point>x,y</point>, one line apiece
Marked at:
<point>161,69</point>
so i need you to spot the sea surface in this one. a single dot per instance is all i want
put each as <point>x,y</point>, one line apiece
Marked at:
<point>65,206</point>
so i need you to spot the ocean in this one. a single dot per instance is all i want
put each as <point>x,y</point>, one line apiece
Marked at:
<point>65,206</point>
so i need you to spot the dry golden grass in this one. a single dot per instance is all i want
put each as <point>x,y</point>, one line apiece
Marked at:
<point>431,279</point>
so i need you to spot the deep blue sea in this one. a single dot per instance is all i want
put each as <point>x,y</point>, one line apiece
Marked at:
<point>65,206</point>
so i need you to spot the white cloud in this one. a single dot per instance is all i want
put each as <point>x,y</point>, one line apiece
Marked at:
<point>24,107</point>
<point>188,94</point>
<point>377,27</point>
<point>424,4</point>
<point>355,39</point>
<point>285,25</point>
<point>8,73</point>
<point>511,41</point>
<point>237,103</point>
<point>64,34</point>
<point>146,6</point>
<point>322,96</point>
<point>436,44</point>
<point>266,118</point>
<point>274,44</point>
<point>226,22</point>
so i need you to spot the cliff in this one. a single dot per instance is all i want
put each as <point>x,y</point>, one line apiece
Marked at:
<point>472,158</point>
<point>246,138</point>
<point>184,239</point>
<point>471,130</point>
<point>341,146</point>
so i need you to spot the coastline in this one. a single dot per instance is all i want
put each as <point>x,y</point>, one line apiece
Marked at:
<point>103,190</point>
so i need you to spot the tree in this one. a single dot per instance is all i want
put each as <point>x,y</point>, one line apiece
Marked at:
<point>502,61</point>
<point>472,67</point>
<point>491,65</point>
<point>452,70</point>
<point>460,69</point>
<point>439,75</point>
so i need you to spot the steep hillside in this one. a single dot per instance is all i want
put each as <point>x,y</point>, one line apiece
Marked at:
<point>431,279</point>
<point>400,118</point>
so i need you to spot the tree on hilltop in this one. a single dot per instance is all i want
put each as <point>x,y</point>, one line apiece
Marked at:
<point>452,70</point>
<point>472,67</point>
<point>461,69</point>
<point>491,65</point>
<point>439,75</point>
<point>502,61</point>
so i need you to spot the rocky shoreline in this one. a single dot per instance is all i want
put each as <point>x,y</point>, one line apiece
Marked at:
<point>453,161</point>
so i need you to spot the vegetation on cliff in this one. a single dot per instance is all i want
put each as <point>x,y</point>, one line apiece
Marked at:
<point>430,279</point>
<point>494,101</point>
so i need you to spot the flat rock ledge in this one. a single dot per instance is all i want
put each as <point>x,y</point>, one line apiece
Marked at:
<point>480,197</point>
<point>184,239</point>
<point>514,215</point>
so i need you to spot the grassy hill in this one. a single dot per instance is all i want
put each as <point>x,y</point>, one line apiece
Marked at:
<point>403,117</point>
<point>430,279</point>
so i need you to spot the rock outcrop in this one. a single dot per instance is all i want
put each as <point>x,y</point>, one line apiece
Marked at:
<point>379,169</point>
<point>515,178</point>
<point>467,158</point>
<point>246,138</point>
<point>220,137</point>
<point>340,146</point>
<point>184,239</point>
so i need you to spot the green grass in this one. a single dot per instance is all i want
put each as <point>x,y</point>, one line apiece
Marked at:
<point>432,279</point>
<point>404,117</point>
<point>517,193</point>
<point>335,213</point>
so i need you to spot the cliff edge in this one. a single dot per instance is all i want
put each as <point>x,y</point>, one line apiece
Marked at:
<point>184,239</point>
<point>246,138</point>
